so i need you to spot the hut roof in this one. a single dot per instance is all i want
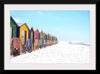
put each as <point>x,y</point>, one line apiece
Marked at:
<point>21,24</point>
<point>31,28</point>
<point>36,30</point>
<point>13,20</point>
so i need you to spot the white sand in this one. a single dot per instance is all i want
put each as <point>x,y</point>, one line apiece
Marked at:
<point>63,52</point>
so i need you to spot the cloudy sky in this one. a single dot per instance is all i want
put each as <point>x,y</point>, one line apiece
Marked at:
<point>65,25</point>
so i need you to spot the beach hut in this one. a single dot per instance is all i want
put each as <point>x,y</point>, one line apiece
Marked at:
<point>24,34</point>
<point>40,44</point>
<point>44,40</point>
<point>36,39</point>
<point>56,40</point>
<point>43,36</point>
<point>52,39</point>
<point>48,39</point>
<point>14,28</point>
<point>14,32</point>
<point>31,35</point>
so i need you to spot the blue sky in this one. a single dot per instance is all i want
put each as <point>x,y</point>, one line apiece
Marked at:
<point>65,25</point>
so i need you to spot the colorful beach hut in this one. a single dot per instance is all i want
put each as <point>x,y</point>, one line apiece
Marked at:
<point>45,39</point>
<point>43,36</point>
<point>40,44</point>
<point>48,39</point>
<point>14,33</point>
<point>24,33</point>
<point>31,35</point>
<point>52,39</point>
<point>56,40</point>
<point>36,39</point>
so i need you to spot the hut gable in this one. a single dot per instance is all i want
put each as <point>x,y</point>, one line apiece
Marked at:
<point>32,29</point>
<point>23,25</point>
<point>37,30</point>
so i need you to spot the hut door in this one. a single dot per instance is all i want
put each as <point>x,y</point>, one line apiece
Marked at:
<point>23,38</point>
<point>32,36</point>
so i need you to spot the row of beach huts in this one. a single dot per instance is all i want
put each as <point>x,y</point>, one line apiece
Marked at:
<point>24,39</point>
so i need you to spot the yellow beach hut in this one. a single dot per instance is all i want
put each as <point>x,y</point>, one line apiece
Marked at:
<point>24,33</point>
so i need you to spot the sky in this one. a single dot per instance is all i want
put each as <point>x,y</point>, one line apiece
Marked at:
<point>65,25</point>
